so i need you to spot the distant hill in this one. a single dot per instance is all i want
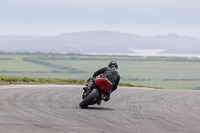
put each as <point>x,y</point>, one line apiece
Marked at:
<point>99,42</point>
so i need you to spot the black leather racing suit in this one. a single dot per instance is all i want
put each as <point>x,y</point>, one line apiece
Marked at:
<point>111,74</point>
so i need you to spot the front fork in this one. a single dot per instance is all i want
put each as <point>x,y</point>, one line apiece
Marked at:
<point>85,94</point>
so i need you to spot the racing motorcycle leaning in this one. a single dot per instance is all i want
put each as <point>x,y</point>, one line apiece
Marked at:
<point>94,92</point>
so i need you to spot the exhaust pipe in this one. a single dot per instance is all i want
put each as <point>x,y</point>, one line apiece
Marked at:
<point>103,96</point>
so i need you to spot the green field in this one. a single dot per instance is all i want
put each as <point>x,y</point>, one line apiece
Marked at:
<point>172,73</point>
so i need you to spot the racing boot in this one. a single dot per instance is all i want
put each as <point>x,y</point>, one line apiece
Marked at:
<point>107,97</point>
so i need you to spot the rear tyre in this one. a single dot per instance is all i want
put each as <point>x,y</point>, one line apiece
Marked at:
<point>89,99</point>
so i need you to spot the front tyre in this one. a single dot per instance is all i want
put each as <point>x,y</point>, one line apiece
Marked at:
<point>89,99</point>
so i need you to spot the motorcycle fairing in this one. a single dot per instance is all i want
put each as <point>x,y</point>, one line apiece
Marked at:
<point>103,84</point>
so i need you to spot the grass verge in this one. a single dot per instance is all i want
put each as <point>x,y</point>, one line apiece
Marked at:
<point>10,80</point>
<point>33,80</point>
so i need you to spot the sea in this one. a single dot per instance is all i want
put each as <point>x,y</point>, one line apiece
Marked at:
<point>147,55</point>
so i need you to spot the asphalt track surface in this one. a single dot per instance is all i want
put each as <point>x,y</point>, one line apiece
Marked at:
<point>55,109</point>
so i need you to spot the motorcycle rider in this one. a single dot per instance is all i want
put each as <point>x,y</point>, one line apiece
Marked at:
<point>111,74</point>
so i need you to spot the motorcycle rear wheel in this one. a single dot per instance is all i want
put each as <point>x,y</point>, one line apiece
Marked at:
<point>89,99</point>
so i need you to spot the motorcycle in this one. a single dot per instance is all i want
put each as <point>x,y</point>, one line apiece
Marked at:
<point>94,92</point>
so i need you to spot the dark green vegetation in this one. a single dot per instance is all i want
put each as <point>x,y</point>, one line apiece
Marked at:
<point>163,72</point>
<point>13,80</point>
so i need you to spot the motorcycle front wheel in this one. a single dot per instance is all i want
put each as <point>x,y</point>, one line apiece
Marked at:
<point>89,99</point>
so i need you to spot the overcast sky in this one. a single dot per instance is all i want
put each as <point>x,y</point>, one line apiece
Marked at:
<point>142,17</point>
